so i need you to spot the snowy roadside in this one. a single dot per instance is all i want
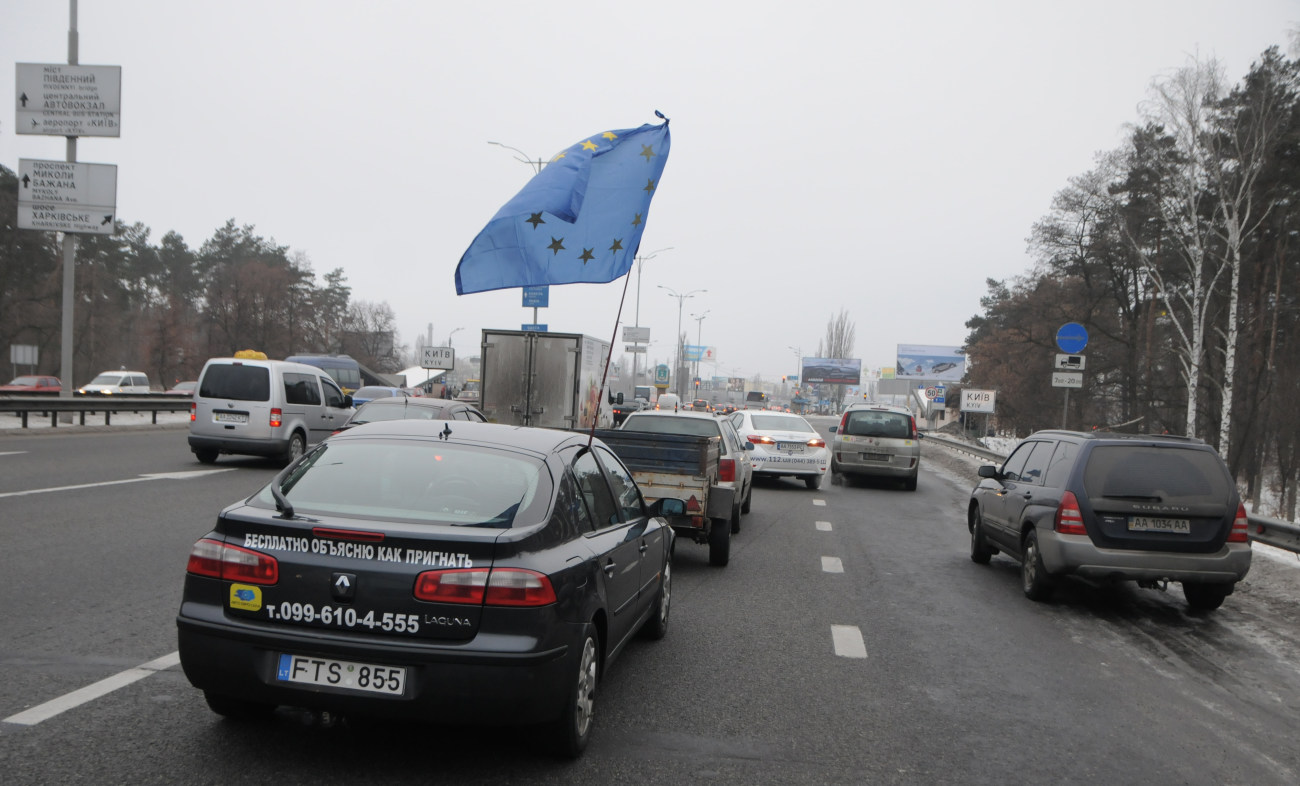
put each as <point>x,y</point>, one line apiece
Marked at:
<point>12,425</point>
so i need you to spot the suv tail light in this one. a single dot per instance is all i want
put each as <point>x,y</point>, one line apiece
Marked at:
<point>1240,527</point>
<point>1069,518</point>
<point>844,423</point>
<point>218,560</point>
<point>277,417</point>
<point>194,411</point>
<point>727,470</point>
<point>911,427</point>
<point>485,586</point>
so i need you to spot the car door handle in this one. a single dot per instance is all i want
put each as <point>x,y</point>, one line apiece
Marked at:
<point>644,547</point>
<point>609,569</point>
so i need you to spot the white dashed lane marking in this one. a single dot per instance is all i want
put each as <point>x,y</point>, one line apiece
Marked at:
<point>832,565</point>
<point>848,641</point>
<point>104,687</point>
<point>824,526</point>
<point>820,502</point>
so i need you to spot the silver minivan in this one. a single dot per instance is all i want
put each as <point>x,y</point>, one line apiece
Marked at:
<point>263,408</point>
<point>877,440</point>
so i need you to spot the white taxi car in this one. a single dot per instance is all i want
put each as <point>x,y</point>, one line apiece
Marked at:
<point>784,444</point>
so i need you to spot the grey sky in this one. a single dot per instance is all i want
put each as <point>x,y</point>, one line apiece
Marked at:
<point>884,158</point>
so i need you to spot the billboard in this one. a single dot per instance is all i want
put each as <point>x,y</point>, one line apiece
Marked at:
<point>832,371</point>
<point>925,361</point>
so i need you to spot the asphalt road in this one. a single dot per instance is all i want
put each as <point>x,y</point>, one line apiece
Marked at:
<point>850,640</point>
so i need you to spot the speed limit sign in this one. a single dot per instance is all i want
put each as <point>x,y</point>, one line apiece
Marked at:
<point>931,392</point>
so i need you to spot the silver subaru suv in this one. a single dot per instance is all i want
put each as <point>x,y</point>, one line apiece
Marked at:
<point>1113,507</point>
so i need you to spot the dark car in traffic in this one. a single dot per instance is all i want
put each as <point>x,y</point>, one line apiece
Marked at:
<point>1106,507</point>
<point>412,408</point>
<point>446,571</point>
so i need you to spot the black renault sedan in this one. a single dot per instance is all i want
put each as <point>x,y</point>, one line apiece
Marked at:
<point>445,571</point>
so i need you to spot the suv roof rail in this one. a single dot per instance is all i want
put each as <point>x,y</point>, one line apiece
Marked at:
<point>1118,435</point>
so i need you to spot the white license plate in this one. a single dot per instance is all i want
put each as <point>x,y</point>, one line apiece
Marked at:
<point>306,670</point>
<point>792,447</point>
<point>230,417</point>
<point>1149,524</point>
<point>875,457</point>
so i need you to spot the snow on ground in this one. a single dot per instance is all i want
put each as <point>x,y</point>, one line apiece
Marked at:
<point>12,424</point>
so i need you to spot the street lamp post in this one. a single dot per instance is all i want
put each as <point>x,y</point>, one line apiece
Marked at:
<point>699,341</point>
<point>639,260</point>
<point>798,353</point>
<point>536,164</point>
<point>678,338</point>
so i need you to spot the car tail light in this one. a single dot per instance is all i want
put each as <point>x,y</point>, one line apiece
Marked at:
<point>727,470</point>
<point>1069,518</point>
<point>277,417</point>
<point>1240,527</point>
<point>485,586</point>
<point>194,412</point>
<point>218,560</point>
<point>911,426</point>
<point>817,443</point>
<point>844,423</point>
<point>761,439</point>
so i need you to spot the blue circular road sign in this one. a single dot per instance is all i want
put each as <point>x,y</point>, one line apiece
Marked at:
<point>1072,338</point>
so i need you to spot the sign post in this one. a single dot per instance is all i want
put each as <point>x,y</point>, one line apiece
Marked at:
<point>1071,338</point>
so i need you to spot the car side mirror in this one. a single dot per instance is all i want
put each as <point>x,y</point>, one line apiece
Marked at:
<point>919,435</point>
<point>347,401</point>
<point>748,445</point>
<point>833,428</point>
<point>988,471</point>
<point>668,506</point>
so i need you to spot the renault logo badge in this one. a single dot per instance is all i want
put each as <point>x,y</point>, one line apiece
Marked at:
<point>344,586</point>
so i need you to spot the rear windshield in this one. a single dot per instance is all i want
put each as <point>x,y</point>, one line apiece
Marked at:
<point>778,423</point>
<point>374,412</point>
<point>418,481</point>
<point>869,423</point>
<point>237,382</point>
<point>1156,474</point>
<point>660,424</point>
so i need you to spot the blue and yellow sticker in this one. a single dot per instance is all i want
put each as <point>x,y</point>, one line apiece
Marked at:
<point>246,597</point>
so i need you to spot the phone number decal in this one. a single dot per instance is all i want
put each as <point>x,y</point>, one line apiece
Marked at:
<point>344,617</point>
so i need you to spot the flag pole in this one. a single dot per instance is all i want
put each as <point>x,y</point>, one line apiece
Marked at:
<point>608,357</point>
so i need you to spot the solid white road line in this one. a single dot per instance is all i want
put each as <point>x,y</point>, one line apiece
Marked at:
<point>832,565</point>
<point>824,526</point>
<point>105,686</point>
<point>820,502</point>
<point>153,476</point>
<point>12,452</point>
<point>848,641</point>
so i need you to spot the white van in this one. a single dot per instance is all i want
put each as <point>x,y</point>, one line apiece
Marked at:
<point>117,383</point>
<point>668,402</point>
<point>263,408</point>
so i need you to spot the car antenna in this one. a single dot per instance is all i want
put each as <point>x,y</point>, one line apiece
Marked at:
<point>446,432</point>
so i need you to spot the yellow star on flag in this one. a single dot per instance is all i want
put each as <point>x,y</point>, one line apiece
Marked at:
<point>589,145</point>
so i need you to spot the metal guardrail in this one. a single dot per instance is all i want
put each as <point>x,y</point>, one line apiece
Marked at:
<point>24,406</point>
<point>1274,532</point>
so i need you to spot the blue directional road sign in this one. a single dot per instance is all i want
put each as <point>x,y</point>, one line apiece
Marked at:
<point>1072,338</point>
<point>535,328</point>
<point>537,297</point>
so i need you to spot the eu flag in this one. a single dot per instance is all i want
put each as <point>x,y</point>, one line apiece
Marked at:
<point>579,220</point>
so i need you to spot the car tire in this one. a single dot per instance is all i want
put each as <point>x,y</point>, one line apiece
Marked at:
<point>719,543</point>
<point>735,520</point>
<point>237,709</point>
<point>657,626</point>
<point>980,551</point>
<point>1034,580</point>
<point>206,456</point>
<point>813,482</point>
<point>1206,597</point>
<point>749,496</point>
<point>572,730</point>
<point>297,446</point>
<point>910,483</point>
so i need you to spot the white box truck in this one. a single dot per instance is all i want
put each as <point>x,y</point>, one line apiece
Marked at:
<point>551,380</point>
